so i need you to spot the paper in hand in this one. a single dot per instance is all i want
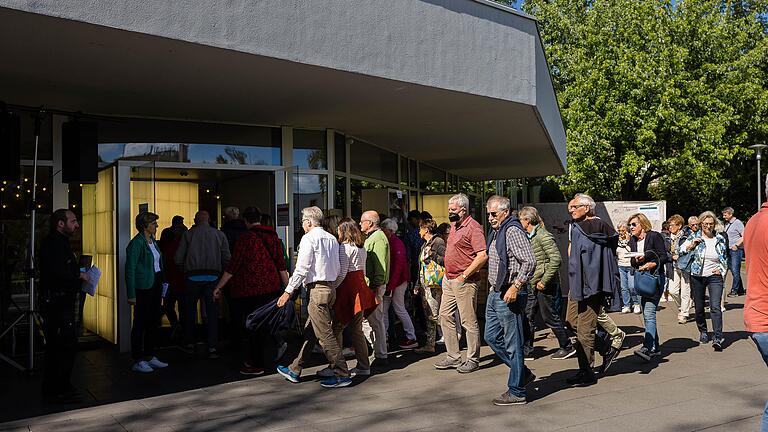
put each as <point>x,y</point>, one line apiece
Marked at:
<point>89,286</point>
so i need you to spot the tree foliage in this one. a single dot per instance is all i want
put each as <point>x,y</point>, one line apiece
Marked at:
<point>660,99</point>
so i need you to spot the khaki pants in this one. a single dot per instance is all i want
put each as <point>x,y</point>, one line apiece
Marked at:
<point>680,288</point>
<point>606,322</point>
<point>358,339</point>
<point>373,327</point>
<point>582,317</point>
<point>320,329</point>
<point>462,296</point>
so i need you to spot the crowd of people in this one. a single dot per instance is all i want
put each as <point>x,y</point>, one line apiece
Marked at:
<point>351,273</point>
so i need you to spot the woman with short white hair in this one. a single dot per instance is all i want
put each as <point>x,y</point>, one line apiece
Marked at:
<point>399,276</point>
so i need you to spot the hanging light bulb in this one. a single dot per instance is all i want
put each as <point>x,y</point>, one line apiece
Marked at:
<point>17,195</point>
<point>5,206</point>
<point>44,189</point>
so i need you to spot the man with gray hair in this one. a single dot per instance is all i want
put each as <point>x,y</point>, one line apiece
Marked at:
<point>511,265</point>
<point>317,267</point>
<point>734,228</point>
<point>465,254</point>
<point>593,275</point>
<point>377,271</point>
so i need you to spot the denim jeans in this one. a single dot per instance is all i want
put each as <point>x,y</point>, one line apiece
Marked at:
<point>734,265</point>
<point>504,334</point>
<point>651,339</point>
<point>761,340</point>
<point>698,287</point>
<point>628,294</point>
<point>195,291</point>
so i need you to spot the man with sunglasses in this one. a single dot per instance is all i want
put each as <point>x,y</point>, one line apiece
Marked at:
<point>593,278</point>
<point>511,263</point>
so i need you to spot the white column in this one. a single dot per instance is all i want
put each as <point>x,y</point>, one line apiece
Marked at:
<point>287,157</point>
<point>330,152</point>
<point>123,231</point>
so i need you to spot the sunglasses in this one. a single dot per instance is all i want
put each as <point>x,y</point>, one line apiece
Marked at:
<point>574,207</point>
<point>633,225</point>
<point>494,214</point>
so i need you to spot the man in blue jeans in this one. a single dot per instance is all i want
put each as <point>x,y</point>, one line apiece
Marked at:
<point>511,264</point>
<point>734,229</point>
<point>202,254</point>
<point>756,304</point>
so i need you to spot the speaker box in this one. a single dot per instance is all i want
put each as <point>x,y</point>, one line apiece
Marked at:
<point>10,146</point>
<point>79,152</point>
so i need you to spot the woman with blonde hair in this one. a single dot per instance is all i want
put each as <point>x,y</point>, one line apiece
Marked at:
<point>708,266</point>
<point>651,251</point>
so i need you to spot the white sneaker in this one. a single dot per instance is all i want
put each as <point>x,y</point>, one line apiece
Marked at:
<point>359,372</point>
<point>636,309</point>
<point>157,364</point>
<point>625,309</point>
<point>326,373</point>
<point>440,341</point>
<point>142,366</point>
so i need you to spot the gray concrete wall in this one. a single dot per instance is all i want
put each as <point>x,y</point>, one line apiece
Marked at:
<point>461,45</point>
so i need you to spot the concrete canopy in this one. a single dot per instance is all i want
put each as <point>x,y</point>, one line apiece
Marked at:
<point>460,84</point>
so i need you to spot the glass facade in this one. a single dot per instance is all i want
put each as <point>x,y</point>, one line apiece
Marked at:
<point>219,154</point>
<point>367,160</point>
<point>309,149</point>
<point>308,190</point>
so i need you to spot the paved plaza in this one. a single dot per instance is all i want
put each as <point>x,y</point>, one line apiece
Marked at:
<point>691,388</point>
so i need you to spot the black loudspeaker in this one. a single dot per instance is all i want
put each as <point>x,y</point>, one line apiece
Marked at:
<point>79,152</point>
<point>10,146</point>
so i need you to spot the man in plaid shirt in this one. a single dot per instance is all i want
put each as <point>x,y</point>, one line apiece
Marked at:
<point>511,264</point>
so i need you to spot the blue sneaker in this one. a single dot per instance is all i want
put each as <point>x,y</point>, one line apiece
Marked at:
<point>288,374</point>
<point>336,382</point>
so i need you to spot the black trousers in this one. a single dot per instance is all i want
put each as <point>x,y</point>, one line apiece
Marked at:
<point>61,329</point>
<point>543,301</point>
<point>261,345</point>
<point>146,320</point>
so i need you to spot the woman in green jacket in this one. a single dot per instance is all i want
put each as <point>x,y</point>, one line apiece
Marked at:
<point>144,282</point>
<point>545,283</point>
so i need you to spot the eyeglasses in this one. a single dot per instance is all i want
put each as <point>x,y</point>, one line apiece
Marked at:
<point>574,207</point>
<point>494,214</point>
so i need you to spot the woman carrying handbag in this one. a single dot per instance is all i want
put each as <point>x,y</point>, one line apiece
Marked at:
<point>648,279</point>
<point>431,262</point>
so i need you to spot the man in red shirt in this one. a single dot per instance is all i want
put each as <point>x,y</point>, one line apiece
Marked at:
<point>464,256</point>
<point>254,274</point>
<point>756,304</point>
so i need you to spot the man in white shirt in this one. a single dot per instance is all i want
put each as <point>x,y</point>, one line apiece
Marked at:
<point>317,266</point>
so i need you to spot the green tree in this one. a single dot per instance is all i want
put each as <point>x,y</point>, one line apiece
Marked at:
<point>660,99</point>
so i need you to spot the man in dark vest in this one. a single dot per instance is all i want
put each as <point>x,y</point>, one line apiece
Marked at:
<point>511,263</point>
<point>60,291</point>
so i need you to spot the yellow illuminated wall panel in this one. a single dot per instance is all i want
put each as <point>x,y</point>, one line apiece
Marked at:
<point>98,225</point>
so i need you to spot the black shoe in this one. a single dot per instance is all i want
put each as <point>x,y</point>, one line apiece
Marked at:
<point>717,344</point>
<point>527,353</point>
<point>64,398</point>
<point>582,379</point>
<point>608,359</point>
<point>564,353</point>
<point>704,338</point>
<point>644,353</point>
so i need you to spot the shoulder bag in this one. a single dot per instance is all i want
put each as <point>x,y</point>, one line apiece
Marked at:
<point>648,283</point>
